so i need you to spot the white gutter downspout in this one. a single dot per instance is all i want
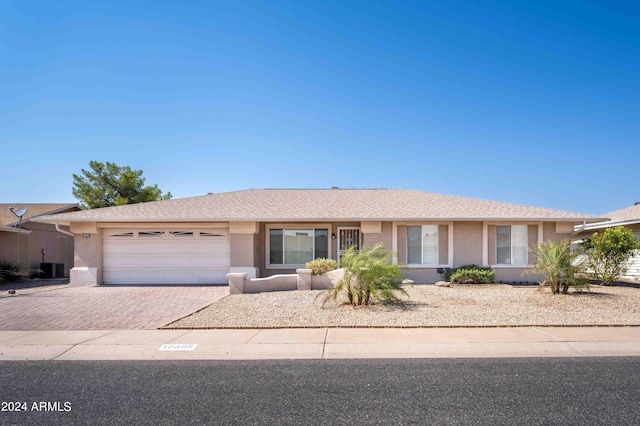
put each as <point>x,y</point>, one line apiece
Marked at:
<point>63,231</point>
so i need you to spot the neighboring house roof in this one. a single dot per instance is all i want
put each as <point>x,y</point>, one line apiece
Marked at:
<point>33,210</point>
<point>281,205</point>
<point>626,216</point>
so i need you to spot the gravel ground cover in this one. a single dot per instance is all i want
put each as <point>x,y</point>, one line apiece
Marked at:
<point>426,306</point>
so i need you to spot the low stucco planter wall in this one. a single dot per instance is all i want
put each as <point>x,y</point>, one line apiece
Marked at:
<point>302,280</point>
<point>327,280</point>
<point>283,282</point>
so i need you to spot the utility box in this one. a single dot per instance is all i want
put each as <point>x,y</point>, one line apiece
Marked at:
<point>52,270</point>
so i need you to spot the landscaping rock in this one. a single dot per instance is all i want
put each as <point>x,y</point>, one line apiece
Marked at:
<point>443,284</point>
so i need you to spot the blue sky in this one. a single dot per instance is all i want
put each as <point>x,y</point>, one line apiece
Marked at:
<point>527,102</point>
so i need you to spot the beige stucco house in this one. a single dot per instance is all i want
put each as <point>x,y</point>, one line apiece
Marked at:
<point>628,217</point>
<point>30,243</point>
<point>263,232</point>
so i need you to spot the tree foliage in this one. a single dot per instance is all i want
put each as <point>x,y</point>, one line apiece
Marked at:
<point>608,253</point>
<point>107,184</point>
<point>370,275</point>
<point>560,266</point>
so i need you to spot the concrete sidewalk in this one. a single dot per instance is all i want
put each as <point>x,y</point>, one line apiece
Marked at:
<point>320,343</point>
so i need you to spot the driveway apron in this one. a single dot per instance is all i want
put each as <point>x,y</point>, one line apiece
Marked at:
<point>104,307</point>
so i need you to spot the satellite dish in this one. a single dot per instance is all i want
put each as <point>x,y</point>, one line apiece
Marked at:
<point>19,213</point>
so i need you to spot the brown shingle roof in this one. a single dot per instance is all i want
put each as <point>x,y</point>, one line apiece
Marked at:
<point>34,209</point>
<point>626,216</point>
<point>319,205</point>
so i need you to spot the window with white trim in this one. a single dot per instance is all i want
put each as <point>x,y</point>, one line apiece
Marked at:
<point>297,246</point>
<point>512,245</point>
<point>422,245</point>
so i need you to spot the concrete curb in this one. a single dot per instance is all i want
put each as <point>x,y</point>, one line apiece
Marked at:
<point>272,327</point>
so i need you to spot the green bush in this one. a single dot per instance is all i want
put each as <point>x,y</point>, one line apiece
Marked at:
<point>370,275</point>
<point>321,265</point>
<point>11,271</point>
<point>473,276</point>
<point>609,252</point>
<point>449,272</point>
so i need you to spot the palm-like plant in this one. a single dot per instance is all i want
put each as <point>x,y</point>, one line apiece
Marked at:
<point>11,271</point>
<point>370,275</point>
<point>560,265</point>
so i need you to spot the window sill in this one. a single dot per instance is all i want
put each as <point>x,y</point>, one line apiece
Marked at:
<point>428,266</point>
<point>296,266</point>
<point>511,266</point>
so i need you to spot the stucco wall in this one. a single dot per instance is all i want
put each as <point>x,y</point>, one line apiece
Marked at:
<point>532,234</point>
<point>491,246</point>
<point>243,252</point>
<point>467,243</point>
<point>9,246</point>
<point>384,237</point>
<point>517,275</point>
<point>423,275</point>
<point>45,237</point>
<point>549,232</point>
<point>88,252</point>
<point>443,244</point>
<point>402,244</point>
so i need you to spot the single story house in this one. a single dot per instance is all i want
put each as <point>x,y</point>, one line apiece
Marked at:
<point>30,243</point>
<point>263,232</point>
<point>628,217</point>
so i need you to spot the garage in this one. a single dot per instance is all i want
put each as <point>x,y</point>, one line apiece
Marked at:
<point>165,256</point>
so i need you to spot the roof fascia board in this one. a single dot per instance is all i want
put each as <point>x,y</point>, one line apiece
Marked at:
<point>600,225</point>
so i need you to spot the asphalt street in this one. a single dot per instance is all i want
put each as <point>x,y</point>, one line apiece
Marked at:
<point>524,391</point>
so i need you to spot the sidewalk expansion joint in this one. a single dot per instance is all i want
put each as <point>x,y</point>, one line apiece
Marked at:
<point>324,343</point>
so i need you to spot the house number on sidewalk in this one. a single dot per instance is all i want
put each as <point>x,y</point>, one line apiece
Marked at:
<point>183,347</point>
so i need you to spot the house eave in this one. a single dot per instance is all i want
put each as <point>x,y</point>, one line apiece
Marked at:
<point>67,222</point>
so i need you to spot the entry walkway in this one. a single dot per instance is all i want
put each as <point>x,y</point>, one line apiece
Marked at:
<point>320,343</point>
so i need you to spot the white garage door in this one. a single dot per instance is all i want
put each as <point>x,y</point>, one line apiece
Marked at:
<point>165,256</point>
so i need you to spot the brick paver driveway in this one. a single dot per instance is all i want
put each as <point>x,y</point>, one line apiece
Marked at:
<point>104,307</point>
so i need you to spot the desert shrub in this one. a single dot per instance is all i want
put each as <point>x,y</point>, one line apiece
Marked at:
<point>473,276</point>
<point>11,271</point>
<point>560,266</point>
<point>321,265</point>
<point>449,272</point>
<point>608,253</point>
<point>370,275</point>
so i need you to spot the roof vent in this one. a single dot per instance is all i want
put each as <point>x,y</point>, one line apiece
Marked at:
<point>334,187</point>
<point>636,203</point>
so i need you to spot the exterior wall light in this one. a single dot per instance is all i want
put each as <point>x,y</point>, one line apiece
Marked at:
<point>86,235</point>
